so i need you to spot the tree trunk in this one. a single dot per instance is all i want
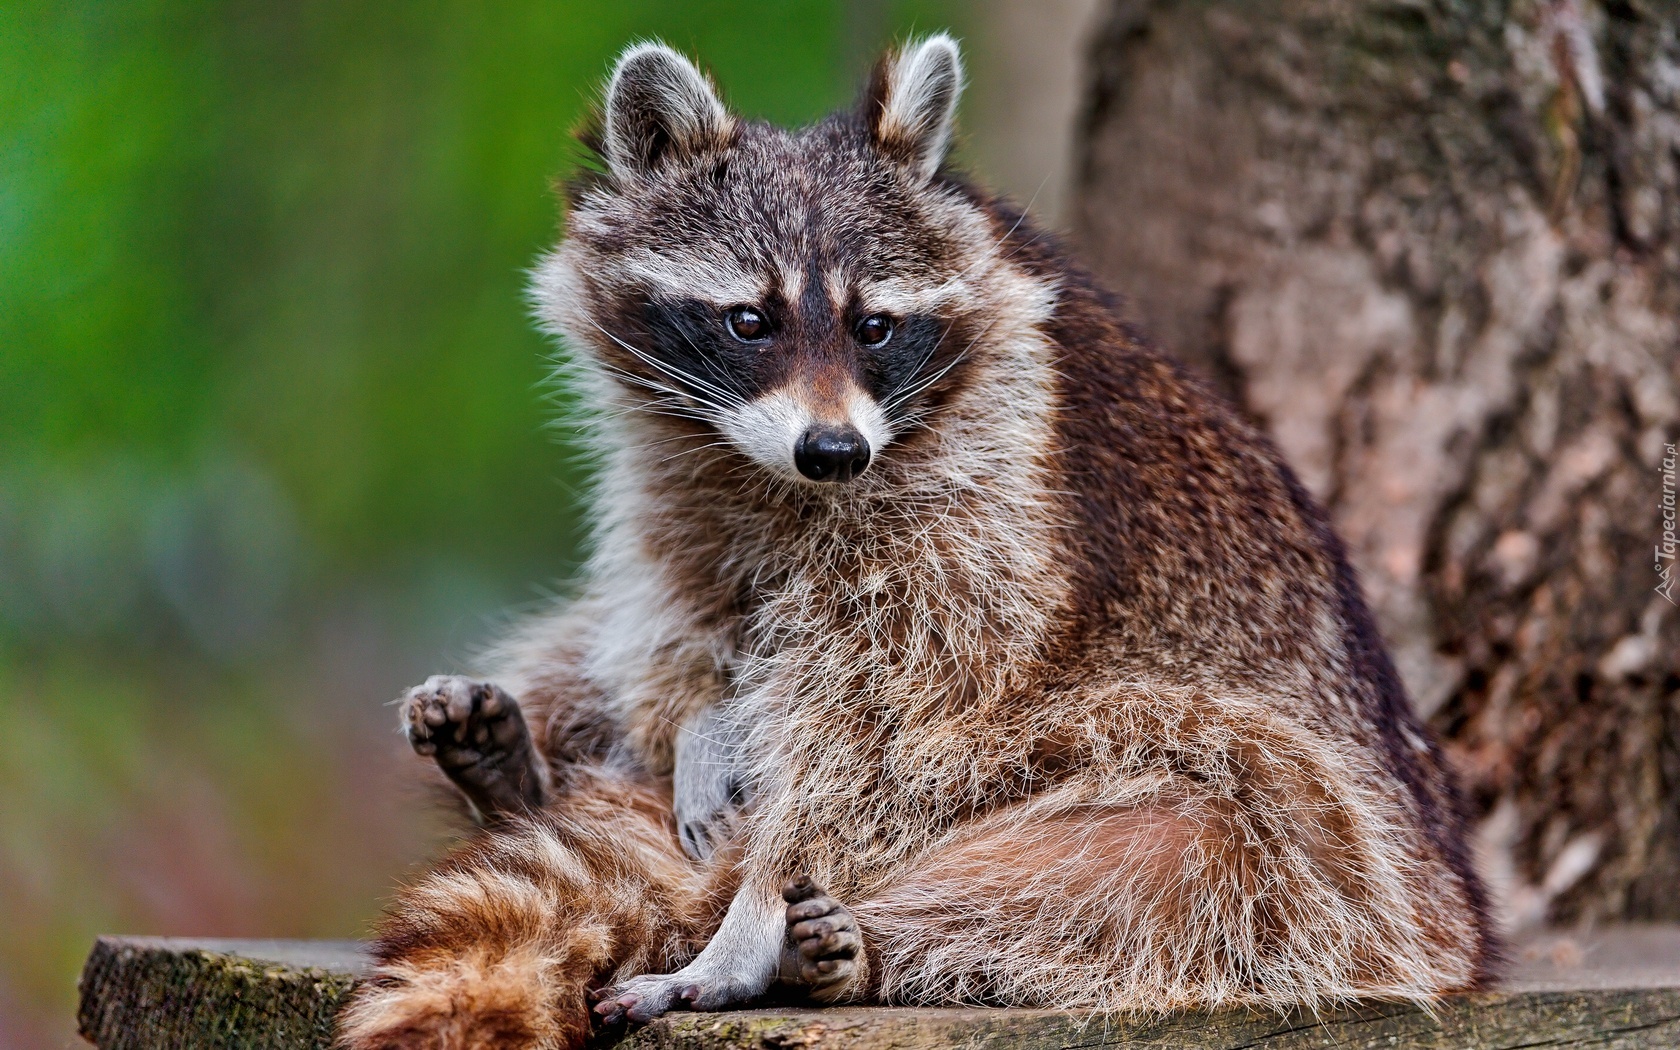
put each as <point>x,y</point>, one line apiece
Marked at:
<point>1434,247</point>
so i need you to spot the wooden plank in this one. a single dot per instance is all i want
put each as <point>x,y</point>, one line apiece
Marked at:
<point>1617,989</point>
<point>149,993</point>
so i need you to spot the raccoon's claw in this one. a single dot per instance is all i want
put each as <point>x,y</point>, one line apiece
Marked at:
<point>636,1009</point>
<point>477,734</point>
<point>611,1011</point>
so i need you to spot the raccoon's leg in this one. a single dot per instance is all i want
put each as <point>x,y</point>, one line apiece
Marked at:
<point>1037,912</point>
<point>1179,901</point>
<point>501,943</point>
<point>478,736</point>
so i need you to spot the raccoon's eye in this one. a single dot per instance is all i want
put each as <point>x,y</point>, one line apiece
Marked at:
<point>747,324</point>
<point>874,330</point>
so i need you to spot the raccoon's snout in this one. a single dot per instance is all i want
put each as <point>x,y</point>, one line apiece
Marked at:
<point>831,454</point>
<point>801,435</point>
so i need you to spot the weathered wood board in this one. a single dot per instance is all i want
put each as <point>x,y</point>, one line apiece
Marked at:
<point>1616,989</point>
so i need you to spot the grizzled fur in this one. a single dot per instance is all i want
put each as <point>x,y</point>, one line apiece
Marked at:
<point>1069,699</point>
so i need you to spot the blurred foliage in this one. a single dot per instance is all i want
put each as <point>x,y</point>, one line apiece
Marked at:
<point>272,424</point>
<point>294,234</point>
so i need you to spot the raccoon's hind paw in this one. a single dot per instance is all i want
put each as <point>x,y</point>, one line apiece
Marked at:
<point>478,736</point>
<point>641,999</point>
<point>825,953</point>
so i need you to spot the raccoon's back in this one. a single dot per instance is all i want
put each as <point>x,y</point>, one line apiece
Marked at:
<point>1198,555</point>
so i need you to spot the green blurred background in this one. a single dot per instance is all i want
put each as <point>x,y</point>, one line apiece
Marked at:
<point>274,424</point>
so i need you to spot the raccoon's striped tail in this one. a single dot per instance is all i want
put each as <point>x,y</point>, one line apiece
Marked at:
<point>499,944</point>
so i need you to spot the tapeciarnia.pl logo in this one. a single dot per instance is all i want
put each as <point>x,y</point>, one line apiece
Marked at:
<point>1666,544</point>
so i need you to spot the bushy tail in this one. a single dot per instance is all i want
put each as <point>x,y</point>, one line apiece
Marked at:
<point>499,944</point>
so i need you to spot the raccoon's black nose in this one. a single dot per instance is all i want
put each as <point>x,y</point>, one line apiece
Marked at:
<point>831,454</point>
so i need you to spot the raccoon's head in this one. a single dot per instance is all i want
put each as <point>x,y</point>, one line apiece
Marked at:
<point>802,298</point>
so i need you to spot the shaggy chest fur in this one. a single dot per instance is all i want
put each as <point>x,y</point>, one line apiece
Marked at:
<point>879,637</point>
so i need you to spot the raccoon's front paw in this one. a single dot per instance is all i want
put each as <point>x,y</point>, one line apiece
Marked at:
<point>706,819</point>
<point>708,785</point>
<point>478,736</point>
<point>825,953</point>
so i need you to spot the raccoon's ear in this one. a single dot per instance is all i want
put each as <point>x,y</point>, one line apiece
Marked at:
<point>658,105</point>
<point>911,103</point>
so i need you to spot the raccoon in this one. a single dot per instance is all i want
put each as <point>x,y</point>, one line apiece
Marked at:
<point>941,641</point>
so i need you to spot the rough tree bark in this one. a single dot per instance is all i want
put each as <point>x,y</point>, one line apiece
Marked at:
<point>1434,246</point>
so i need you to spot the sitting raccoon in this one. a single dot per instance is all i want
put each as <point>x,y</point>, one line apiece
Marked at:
<point>941,641</point>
